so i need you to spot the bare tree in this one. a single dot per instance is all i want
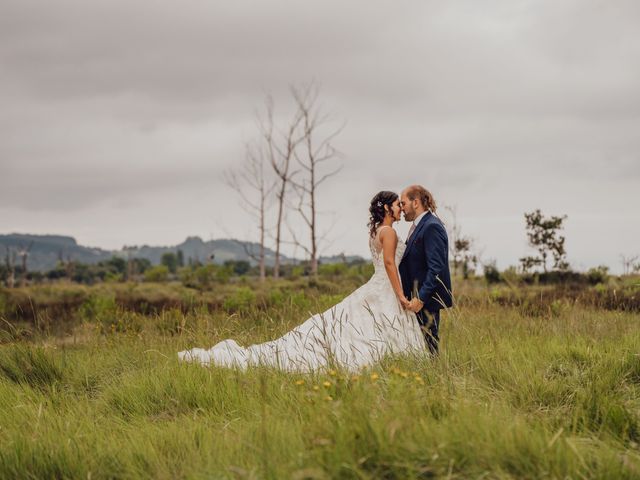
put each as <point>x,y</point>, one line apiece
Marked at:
<point>254,189</point>
<point>628,263</point>
<point>10,261</point>
<point>460,247</point>
<point>66,264</point>
<point>129,271</point>
<point>280,148</point>
<point>317,150</point>
<point>69,267</point>
<point>454,234</point>
<point>24,256</point>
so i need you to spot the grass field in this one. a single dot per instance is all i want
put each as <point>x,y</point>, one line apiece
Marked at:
<point>553,394</point>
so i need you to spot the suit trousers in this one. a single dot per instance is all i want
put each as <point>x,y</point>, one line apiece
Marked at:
<point>429,323</point>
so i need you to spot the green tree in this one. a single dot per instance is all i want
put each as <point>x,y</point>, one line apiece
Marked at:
<point>169,260</point>
<point>239,267</point>
<point>464,260</point>
<point>543,235</point>
<point>140,265</point>
<point>491,272</point>
<point>118,264</point>
<point>463,257</point>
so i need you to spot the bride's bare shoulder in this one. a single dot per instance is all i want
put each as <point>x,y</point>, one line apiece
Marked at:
<point>386,231</point>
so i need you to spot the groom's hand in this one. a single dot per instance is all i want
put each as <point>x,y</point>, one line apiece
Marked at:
<point>415,305</point>
<point>404,302</point>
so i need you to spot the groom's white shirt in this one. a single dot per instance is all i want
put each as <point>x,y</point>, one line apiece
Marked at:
<point>416,221</point>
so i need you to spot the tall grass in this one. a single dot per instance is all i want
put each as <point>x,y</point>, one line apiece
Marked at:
<point>512,395</point>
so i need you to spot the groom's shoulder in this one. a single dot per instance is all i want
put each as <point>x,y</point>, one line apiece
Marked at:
<point>435,223</point>
<point>432,220</point>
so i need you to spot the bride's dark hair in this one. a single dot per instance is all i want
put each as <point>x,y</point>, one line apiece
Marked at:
<point>377,211</point>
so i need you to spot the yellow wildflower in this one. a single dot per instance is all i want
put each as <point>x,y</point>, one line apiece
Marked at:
<point>299,382</point>
<point>316,388</point>
<point>374,376</point>
<point>333,373</point>
<point>327,384</point>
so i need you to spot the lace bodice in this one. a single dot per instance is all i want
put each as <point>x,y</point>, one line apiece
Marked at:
<point>376,252</point>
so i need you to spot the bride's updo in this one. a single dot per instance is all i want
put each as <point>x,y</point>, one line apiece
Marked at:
<point>377,211</point>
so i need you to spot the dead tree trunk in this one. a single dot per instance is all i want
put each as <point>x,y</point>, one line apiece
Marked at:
<point>280,156</point>
<point>24,256</point>
<point>316,153</point>
<point>454,235</point>
<point>254,189</point>
<point>10,260</point>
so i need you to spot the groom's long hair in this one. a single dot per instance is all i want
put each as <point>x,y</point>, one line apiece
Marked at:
<point>424,195</point>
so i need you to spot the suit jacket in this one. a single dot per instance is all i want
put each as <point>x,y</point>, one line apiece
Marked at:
<point>425,265</point>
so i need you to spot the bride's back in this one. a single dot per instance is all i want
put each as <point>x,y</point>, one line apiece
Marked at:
<point>375,246</point>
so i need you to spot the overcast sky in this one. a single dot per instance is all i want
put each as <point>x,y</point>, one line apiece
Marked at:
<point>118,118</point>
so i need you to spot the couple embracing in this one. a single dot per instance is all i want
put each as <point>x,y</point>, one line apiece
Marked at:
<point>396,311</point>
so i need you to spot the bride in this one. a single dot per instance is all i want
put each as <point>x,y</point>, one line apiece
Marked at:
<point>368,324</point>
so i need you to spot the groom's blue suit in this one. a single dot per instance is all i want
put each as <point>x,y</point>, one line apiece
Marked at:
<point>424,271</point>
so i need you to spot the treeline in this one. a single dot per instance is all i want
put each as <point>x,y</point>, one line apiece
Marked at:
<point>202,276</point>
<point>172,268</point>
<point>547,265</point>
<point>511,276</point>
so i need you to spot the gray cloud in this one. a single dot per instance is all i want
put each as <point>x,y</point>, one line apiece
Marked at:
<point>126,113</point>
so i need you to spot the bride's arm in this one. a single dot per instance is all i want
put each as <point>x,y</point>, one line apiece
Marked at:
<point>389,240</point>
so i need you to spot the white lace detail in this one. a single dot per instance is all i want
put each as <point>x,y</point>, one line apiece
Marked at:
<point>375,246</point>
<point>358,331</point>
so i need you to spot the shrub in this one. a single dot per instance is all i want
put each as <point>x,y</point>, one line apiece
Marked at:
<point>99,308</point>
<point>171,322</point>
<point>240,300</point>
<point>510,276</point>
<point>275,298</point>
<point>204,276</point>
<point>159,273</point>
<point>491,273</point>
<point>300,300</point>
<point>3,303</point>
<point>332,269</point>
<point>104,312</point>
<point>297,271</point>
<point>598,275</point>
<point>238,267</point>
<point>123,322</point>
<point>561,277</point>
<point>223,274</point>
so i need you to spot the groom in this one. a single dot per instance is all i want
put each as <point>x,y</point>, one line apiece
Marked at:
<point>424,268</point>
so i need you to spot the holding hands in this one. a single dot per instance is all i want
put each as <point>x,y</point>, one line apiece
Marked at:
<point>403,301</point>
<point>415,304</point>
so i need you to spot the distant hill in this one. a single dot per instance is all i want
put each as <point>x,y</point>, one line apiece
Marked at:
<point>195,248</point>
<point>47,250</point>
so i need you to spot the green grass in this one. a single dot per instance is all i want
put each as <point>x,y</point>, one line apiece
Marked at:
<point>512,395</point>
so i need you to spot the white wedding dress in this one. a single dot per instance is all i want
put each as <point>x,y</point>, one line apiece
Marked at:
<point>358,331</point>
